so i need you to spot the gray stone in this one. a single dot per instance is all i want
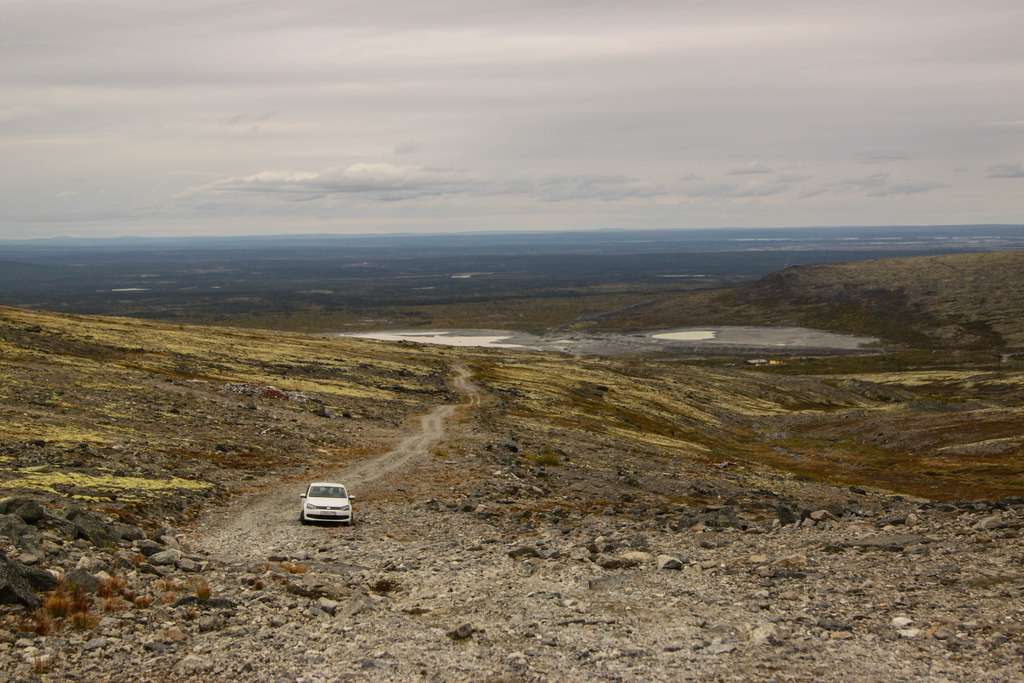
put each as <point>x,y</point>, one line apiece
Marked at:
<point>186,565</point>
<point>765,634</point>
<point>40,579</point>
<point>83,579</point>
<point>669,562</point>
<point>148,547</point>
<point>14,589</point>
<point>358,605</point>
<point>127,532</point>
<point>723,517</point>
<point>29,510</point>
<point>461,632</point>
<point>989,523</point>
<point>786,516</point>
<point>164,558</point>
<point>212,622</point>
<point>95,644</point>
<point>327,605</point>
<point>89,527</point>
<point>193,665</point>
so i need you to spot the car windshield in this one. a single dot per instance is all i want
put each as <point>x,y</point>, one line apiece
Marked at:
<point>327,492</point>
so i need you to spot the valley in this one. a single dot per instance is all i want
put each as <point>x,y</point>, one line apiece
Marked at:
<point>523,514</point>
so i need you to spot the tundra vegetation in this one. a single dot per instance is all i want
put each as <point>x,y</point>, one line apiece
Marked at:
<point>125,433</point>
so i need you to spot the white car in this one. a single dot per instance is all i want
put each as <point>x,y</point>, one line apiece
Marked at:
<point>326,501</point>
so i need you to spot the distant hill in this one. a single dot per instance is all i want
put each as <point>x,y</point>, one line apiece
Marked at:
<point>945,301</point>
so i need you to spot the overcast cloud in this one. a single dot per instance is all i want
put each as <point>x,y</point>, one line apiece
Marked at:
<point>257,116</point>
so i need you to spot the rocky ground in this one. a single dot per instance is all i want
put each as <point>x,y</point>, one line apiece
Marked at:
<point>466,565</point>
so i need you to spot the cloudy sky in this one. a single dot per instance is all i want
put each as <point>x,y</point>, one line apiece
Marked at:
<point>268,117</point>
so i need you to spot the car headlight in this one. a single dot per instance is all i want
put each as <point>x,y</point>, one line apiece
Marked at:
<point>346,507</point>
<point>310,506</point>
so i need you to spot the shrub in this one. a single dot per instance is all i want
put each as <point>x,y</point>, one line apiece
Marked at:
<point>114,586</point>
<point>36,622</point>
<point>59,605</point>
<point>83,621</point>
<point>143,601</point>
<point>203,591</point>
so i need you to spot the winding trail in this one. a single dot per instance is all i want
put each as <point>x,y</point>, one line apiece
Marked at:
<point>432,431</point>
<point>271,517</point>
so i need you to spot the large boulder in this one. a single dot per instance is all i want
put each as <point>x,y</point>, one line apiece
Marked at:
<point>26,508</point>
<point>25,538</point>
<point>14,589</point>
<point>719,517</point>
<point>40,579</point>
<point>89,527</point>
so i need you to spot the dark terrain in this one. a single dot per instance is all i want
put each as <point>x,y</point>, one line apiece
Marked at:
<point>523,281</point>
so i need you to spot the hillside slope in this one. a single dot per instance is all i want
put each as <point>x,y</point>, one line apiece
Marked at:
<point>954,301</point>
<point>544,518</point>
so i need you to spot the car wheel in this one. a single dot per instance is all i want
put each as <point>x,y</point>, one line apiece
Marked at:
<point>303,520</point>
<point>351,521</point>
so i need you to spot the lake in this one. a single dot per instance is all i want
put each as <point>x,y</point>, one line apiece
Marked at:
<point>790,339</point>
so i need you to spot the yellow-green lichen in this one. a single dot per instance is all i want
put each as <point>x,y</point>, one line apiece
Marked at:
<point>46,481</point>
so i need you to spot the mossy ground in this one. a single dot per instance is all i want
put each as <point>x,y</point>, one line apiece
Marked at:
<point>153,419</point>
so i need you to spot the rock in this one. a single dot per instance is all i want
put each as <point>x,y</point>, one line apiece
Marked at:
<point>148,547</point>
<point>22,536</point>
<point>765,634</point>
<point>523,551</point>
<point>989,523</point>
<point>170,541</point>
<point>95,644</point>
<point>901,622</point>
<point>791,562</point>
<point>718,517</point>
<point>164,558</point>
<point>212,622</point>
<point>720,647</point>
<point>893,542</point>
<point>127,532</point>
<point>357,605</point>
<point>635,558</point>
<point>14,589</point>
<point>461,632</point>
<point>821,515</point>
<point>29,510</point>
<point>669,562</point>
<point>193,665</point>
<point>40,579</point>
<point>186,564</point>
<point>89,527</point>
<point>617,562</point>
<point>83,579</point>
<point>327,605</point>
<point>786,516</point>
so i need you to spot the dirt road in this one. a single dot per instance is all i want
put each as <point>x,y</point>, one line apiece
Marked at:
<point>255,523</point>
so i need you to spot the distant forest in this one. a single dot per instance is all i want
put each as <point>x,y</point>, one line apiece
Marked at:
<point>350,281</point>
